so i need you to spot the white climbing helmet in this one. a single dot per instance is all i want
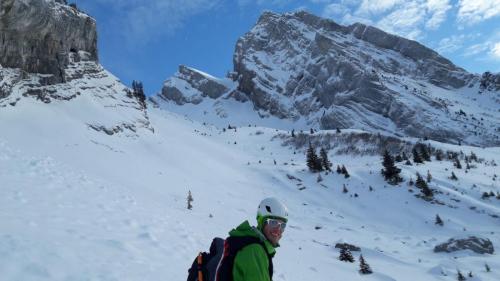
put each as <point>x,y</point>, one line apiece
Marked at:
<point>271,208</point>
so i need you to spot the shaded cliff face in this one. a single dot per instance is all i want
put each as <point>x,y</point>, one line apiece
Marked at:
<point>314,73</point>
<point>38,36</point>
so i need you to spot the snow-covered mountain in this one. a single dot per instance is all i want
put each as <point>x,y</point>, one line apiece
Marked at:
<point>93,182</point>
<point>311,72</point>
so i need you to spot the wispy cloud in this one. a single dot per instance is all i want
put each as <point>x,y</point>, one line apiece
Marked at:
<point>141,21</point>
<point>402,17</point>
<point>495,52</point>
<point>454,43</point>
<point>474,11</point>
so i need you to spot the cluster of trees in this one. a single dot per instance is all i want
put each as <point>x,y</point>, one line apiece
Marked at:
<point>487,195</point>
<point>317,163</point>
<point>137,93</point>
<point>346,256</point>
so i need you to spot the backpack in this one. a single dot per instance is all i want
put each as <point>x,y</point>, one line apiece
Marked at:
<point>217,264</point>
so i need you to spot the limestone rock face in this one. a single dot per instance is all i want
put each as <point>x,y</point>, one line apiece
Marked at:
<point>191,86</point>
<point>311,72</point>
<point>475,244</point>
<point>37,36</point>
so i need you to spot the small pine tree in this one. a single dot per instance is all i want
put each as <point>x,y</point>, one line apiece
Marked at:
<point>404,156</point>
<point>345,172</point>
<point>293,133</point>
<point>364,268</point>
<point>408,163</point>
<point>339,170</point>
<point>345,255</point>
<point>470,274</point>
<point>312,131</point>
<point>453,176</point>
<point>416,156</point>
<point>425,153</point>
<point>439,155</point>
<point>189,200</point>
<point>486,195</point>
<point>487,267</point>
<point>457,163</point>
<point>325,162</point>
<point>422,185</point>
<point>338,131</point>
<point>344,189</point>
<point>460,276</point>
<point>390,171</point>
<point>398,158</point>
<point>313,160</point>
<point>429,176</point>
<point>439,221</point>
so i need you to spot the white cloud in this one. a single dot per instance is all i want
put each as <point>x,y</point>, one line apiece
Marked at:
<point>408,18</point>
<point>476,49</point>
<point>475,11</point>
<point>335,10</point>
<point>404,21</point>
<point>437,9</point>
<point>495,52</point>
<point>373,7</point>
<point>454,43</point>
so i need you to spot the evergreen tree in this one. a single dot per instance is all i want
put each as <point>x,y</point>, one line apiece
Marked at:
<point>138,92</point>
<point>345,255</point>
<point>293,133</point>
<point>338,130</point>
<point>390,171</point>
<point>345,172</point>
<point>486,195</point>
<point>439,221</point>
<point>439,155</point>
<point>457,163</point>
<point>453,176</point>
<point>189,200</point>
<point>398,158</point>
<point>416,156</point>
<point>460,276</point>
<point>470,274</point>
<point>312,131</point>
<point>429,176</point>
<point>339,170</point>
<point>422,185</point>
<point>344,189</point>
<point>405,157</point>
<point>408,163</point>
<point>364,268</point>
<point>325,162</point>
<point>487,267</point>
<point>424,152</point>
<point>313,160</point>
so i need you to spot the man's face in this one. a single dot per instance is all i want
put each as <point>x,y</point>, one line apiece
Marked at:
<point>273,230</point>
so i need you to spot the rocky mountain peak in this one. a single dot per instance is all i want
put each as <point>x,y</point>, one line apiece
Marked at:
<point>38,36</point>
<point>312,71</point>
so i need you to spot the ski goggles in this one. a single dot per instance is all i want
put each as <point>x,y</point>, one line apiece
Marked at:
<point>276,223</point>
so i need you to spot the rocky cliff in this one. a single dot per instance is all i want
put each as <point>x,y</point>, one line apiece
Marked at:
<point>37,36</point>
<point>317,73</point>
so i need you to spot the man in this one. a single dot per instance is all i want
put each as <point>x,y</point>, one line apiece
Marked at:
<point>253,262</point>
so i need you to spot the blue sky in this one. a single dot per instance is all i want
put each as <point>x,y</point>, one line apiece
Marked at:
<point>147,39</point>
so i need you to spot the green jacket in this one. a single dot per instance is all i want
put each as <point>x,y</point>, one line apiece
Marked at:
<point>251,263</point>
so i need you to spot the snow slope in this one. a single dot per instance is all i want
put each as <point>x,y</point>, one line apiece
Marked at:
<point>78,204</point>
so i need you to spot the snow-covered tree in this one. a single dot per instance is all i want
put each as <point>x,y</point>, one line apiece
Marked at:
<point>390,171</point>
<point>313,161</point>
<point>345,255</point>
<point>439,221</point>
<point>364,268</point>
<point>325,162</point>
<point>460,276</point>
<point>189,200</point>
<point>416,156</point>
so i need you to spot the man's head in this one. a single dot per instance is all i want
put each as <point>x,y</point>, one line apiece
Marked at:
<point>272,216</point>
